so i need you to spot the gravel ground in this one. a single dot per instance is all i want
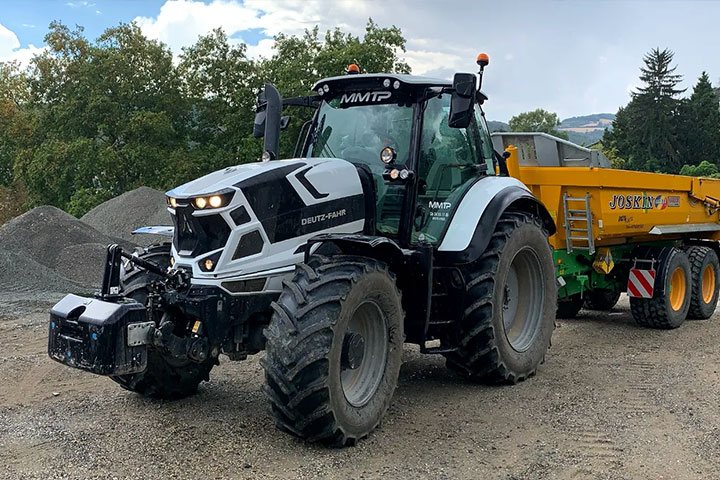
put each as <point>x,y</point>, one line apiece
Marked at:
<point>612,401</point>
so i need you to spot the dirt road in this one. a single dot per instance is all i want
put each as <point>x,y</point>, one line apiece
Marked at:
<point>612,401</point>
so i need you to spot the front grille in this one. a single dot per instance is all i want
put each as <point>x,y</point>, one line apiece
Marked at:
<point>197,235</point>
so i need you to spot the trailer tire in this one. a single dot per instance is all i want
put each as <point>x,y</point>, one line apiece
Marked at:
<point>492,347</point>
<point>569,307</point>
<point>163,378</point>
<point>669,306</point>
<point>601,299</point>
<point>334,349</point>
<point>705,275</point>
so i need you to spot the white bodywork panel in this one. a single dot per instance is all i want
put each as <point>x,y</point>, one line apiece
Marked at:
<point>334,179</point>
<point>473,205</point>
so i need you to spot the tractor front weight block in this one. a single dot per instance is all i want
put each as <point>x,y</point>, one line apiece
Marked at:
<point>100,337</point>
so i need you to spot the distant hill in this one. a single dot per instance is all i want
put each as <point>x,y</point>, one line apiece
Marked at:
<point>584,130</point>
<point>496,126</point>
<point>587,129</point>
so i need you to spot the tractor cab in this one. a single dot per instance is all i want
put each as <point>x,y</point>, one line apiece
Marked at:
<point>423,141</point>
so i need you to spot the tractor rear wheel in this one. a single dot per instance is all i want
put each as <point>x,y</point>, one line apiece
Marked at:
<point>163,377</point>
<point>334,349</point>
<point>669,306</point>
<point>705,282</point>
<point>601,299</point>
<point>511,303</point>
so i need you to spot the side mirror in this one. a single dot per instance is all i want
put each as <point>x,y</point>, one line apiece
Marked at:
<point>462,100</point>
<point>284,122</point>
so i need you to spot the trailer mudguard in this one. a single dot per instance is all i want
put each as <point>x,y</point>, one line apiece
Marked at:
<point>473,222</point>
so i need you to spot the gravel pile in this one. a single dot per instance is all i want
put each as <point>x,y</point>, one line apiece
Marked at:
<point>47,249</point>
<point>121,215</point>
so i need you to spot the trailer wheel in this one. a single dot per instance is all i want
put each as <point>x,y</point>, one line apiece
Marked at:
<point>511,304</point>
<point>569,307</point>
<point>163,377</point>
<point>601,299</point>
<point>671,302</point>
<point>705,282</point>
<point>334,349</point>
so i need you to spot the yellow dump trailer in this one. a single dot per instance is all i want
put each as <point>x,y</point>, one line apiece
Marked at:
<point>652,235</point>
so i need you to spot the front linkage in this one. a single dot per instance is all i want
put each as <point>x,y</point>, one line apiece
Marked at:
<point>110,334</point>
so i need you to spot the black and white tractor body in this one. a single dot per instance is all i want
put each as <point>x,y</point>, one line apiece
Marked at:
<point>272,210</point>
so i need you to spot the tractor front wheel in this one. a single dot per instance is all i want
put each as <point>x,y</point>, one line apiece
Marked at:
<point>334,349</point>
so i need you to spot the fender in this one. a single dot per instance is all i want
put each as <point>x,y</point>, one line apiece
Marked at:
<point>380,248</point>
<point>473,224</point>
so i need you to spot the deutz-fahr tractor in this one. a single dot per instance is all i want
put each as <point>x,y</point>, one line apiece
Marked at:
<point>396,223</point>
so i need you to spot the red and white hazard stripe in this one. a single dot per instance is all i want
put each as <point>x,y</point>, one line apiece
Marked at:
<point>641,283</point>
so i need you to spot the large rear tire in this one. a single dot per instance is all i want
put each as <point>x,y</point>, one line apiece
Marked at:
<point>705,282</point>
<point>669,306</point>
<point>163,377</point>
<point>334,349</point>
<point>511,303</point>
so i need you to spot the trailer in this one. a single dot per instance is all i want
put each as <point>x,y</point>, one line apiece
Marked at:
<point>652,235</point>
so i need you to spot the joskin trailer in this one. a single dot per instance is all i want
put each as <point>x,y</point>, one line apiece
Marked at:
<point>652,235</point>
<point>397,222</point>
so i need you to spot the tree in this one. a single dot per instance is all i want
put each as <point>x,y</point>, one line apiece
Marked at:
<point>94,118</point>
<point>537,121</point>
<point>645,132</point>
<point>110,117</point>
<point>704,169</point>
<point>701,120</point>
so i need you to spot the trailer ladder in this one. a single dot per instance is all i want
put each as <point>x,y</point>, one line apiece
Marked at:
<point>582,233</point>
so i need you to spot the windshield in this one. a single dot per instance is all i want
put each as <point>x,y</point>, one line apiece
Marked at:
<point>358,134</point>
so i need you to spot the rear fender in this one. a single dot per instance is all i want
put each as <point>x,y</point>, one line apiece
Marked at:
<point>475,219</point>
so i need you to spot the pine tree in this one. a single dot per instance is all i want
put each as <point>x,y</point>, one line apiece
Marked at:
<point>651,143</point>
<point>701,132</point>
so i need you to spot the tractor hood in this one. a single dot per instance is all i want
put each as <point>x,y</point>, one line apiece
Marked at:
<point>232,176</point>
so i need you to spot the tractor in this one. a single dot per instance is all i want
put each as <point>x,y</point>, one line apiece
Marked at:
<point>396,223</point>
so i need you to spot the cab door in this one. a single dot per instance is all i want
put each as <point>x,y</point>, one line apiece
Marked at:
<point>450,160</point>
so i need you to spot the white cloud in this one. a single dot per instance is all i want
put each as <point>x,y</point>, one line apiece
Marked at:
<point>180,22</point>
<point>10,50</point>
<point>28,25</point>
<point>8,41</point>
<point>80,4</point>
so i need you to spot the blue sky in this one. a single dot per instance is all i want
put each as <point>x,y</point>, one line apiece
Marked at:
<point>570,57</point>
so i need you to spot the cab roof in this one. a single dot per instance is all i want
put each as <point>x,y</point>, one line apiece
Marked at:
<point>374,81</point>
<point>414,80</point>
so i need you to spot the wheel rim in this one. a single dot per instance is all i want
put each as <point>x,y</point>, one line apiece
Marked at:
<point>523,300</point>
<point>677,289</point>
<point>364,353</point>
<point>708,283</point>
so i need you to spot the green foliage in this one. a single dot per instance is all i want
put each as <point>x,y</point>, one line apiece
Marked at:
<point>537,121</point>
<point>704,169</point>
<point>658,131</point>
<point>92,119</point>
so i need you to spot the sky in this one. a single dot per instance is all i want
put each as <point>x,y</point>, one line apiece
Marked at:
<point>570,57</point>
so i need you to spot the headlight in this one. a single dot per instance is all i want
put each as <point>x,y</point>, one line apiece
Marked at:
<point>172,202</point>
<point>216,200</point>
